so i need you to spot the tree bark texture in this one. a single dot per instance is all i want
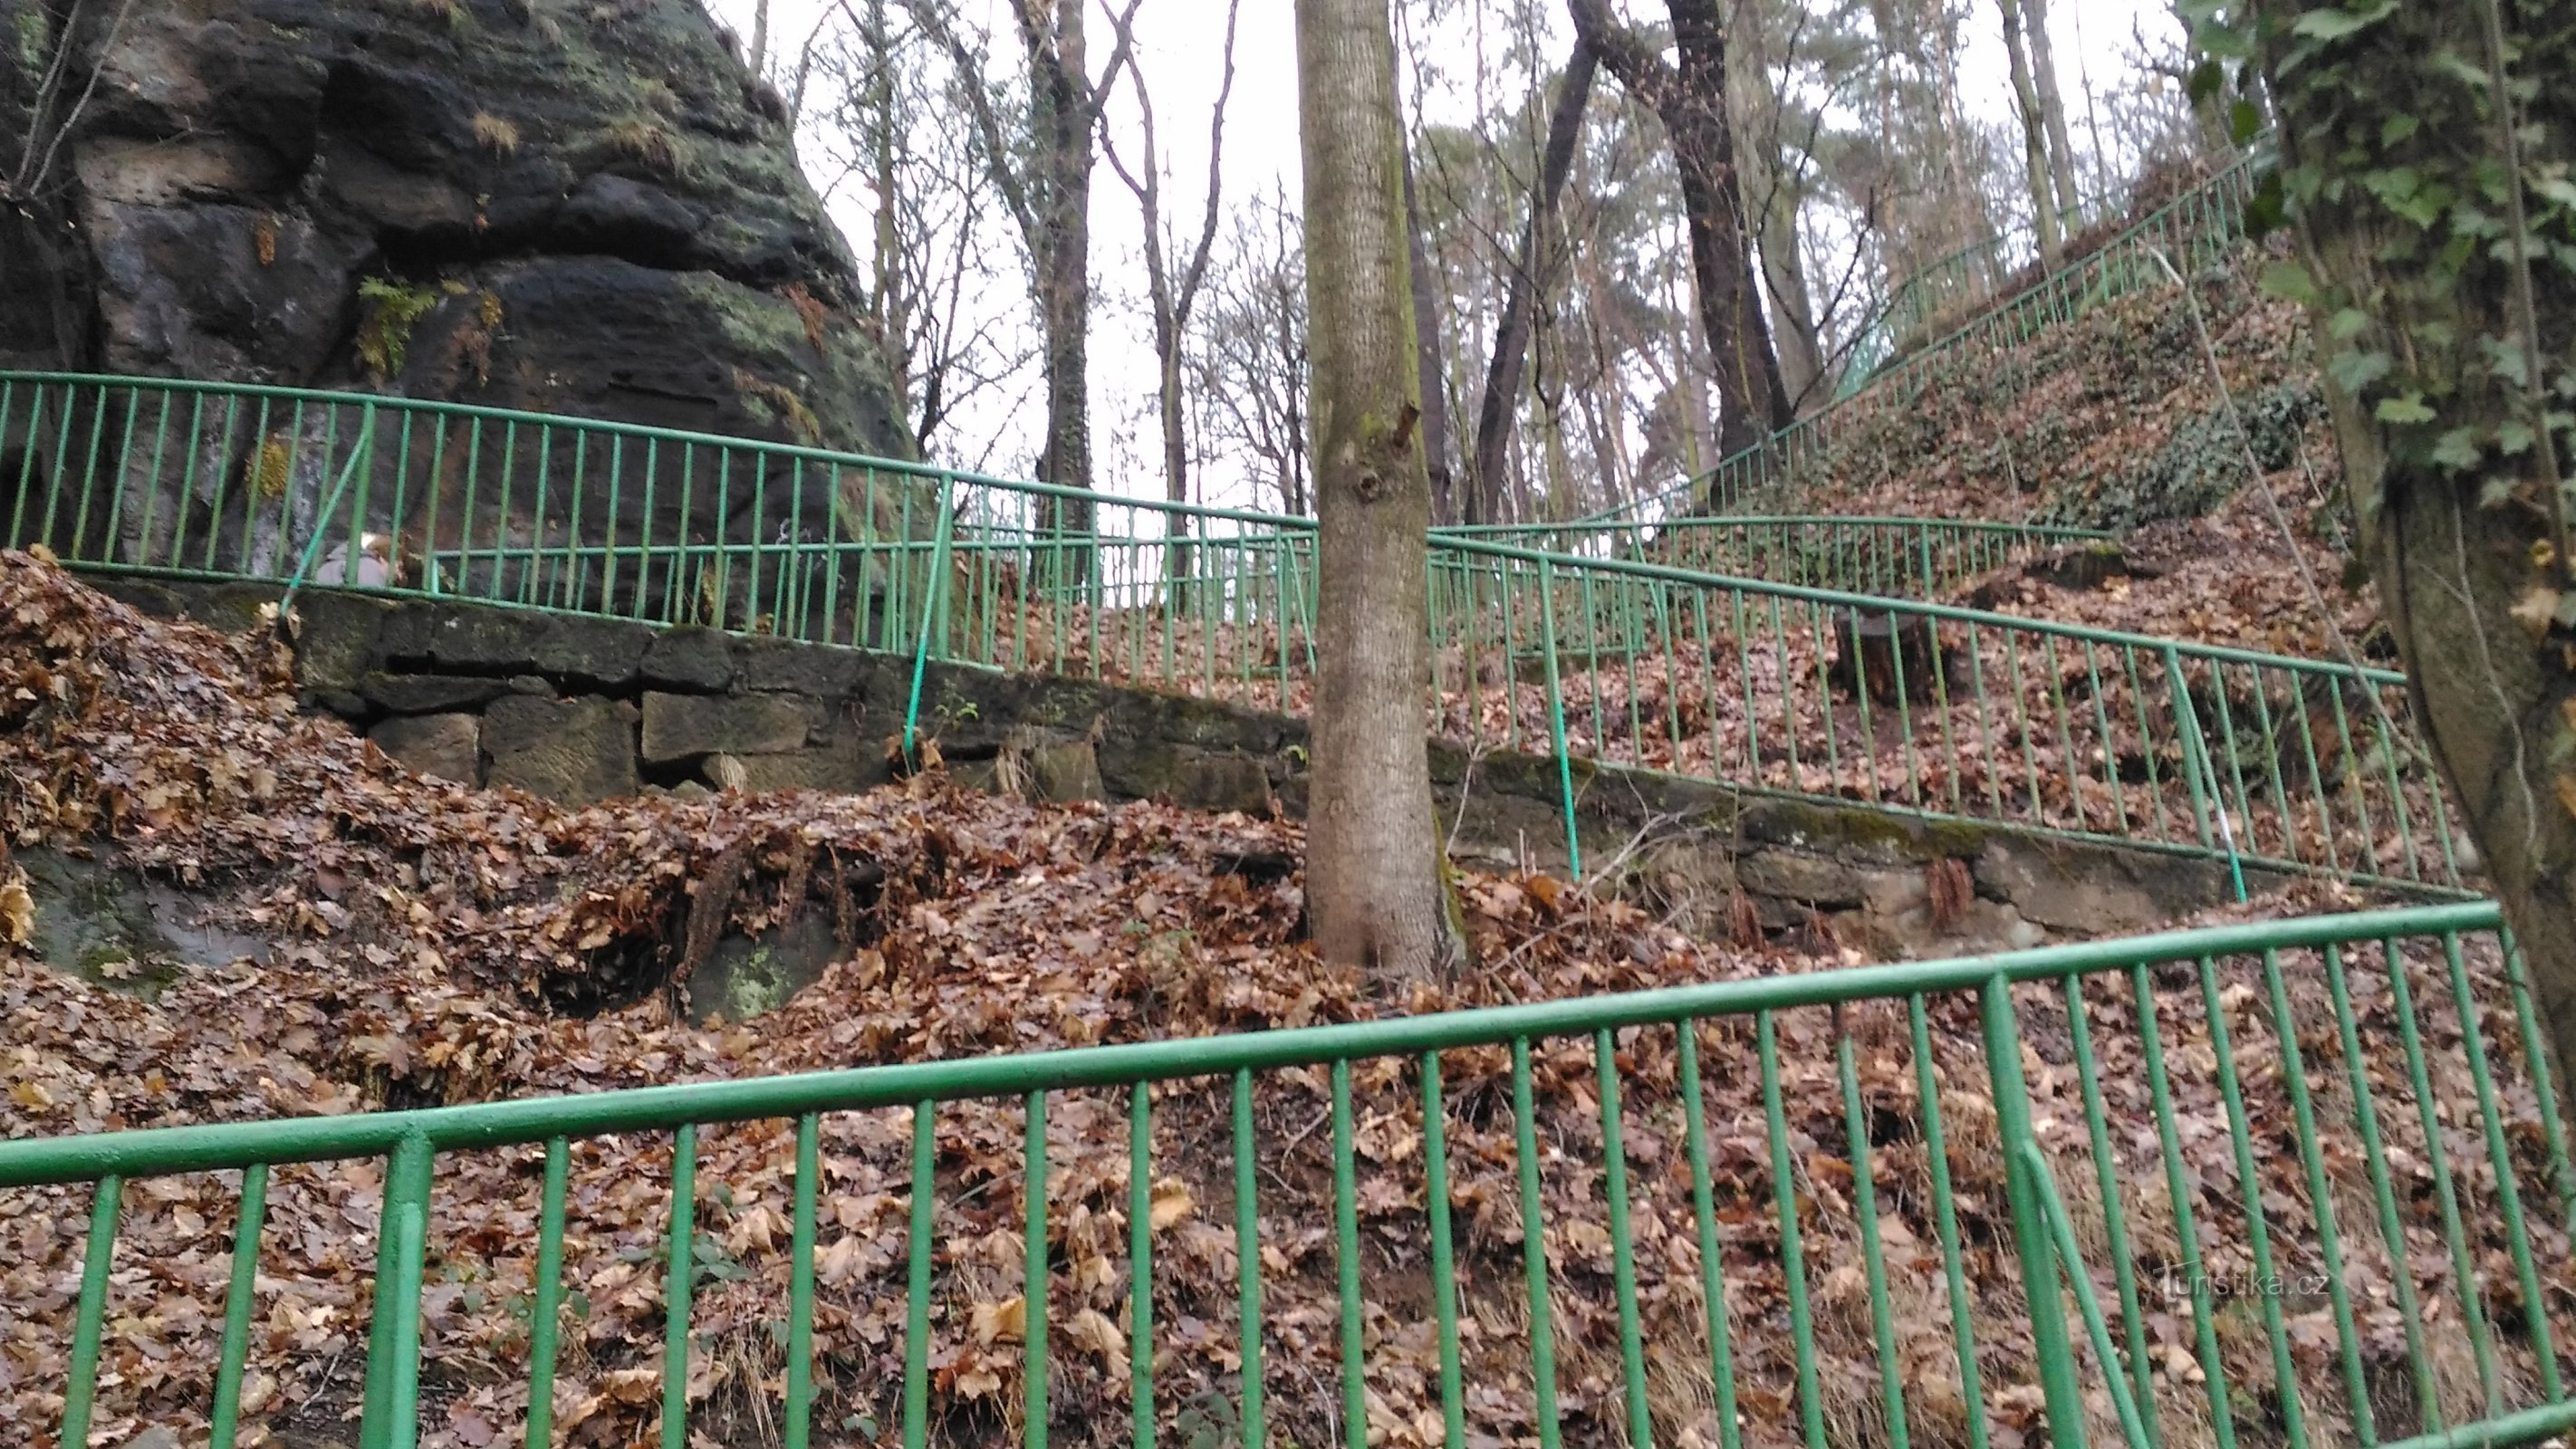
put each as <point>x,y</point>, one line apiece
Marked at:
<point>2426,332</point>
<point>2052,115</point>
<point>2034,137</point>
<point>1499,408</point>
<point>1690,99</point>
<point>1375,888</point>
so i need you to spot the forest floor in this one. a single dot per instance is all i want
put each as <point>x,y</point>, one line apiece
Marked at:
<point>434,944</point>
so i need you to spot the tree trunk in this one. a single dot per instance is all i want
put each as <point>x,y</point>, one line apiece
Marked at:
<point>1509,362</point>
<point>2034,138</point>
<point>1773,202</point>
<point>1375,888</point>
<point>1691,101</point>
<point>1427,295</point>
<point>2471,557</point>
<point>2052,112</point>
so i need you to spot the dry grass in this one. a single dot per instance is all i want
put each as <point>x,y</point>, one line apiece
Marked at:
<point>649,144</point>
<point>497,135</point>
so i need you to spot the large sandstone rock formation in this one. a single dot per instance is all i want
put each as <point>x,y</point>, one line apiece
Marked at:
<point>565,205</point>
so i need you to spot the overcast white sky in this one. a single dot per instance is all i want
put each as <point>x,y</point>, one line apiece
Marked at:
<point>1180,42</point>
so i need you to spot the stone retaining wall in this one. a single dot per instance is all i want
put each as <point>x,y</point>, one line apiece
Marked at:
<point>579,710</point>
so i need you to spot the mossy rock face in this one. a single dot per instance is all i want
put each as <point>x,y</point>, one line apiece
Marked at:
<point>750,976</point>
<point>100,922</point>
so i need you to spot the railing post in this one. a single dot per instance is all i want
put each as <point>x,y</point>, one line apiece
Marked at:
<point>392,1413</point>
<point>2052,1350</point>
<point>932,596</point>
<point>1556,716</point>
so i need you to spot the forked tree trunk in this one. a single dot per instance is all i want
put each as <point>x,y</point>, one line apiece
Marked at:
<point>1375,890</point>
<point>1772,197</point>
<point>2034,137</point>
<point>1689,96</point>
<point>2471,559</point>
<point>2052,115</point>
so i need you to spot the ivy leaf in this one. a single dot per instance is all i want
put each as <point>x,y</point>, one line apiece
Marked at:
<point>2336,24</point>
<point>2398,129</point>
<point>2515,439</point>
<point>2290,282</point>
<point>2206,79</point>
<point>2450,63</point>
<point>2244,122</point>
<point>2405,411</point>
<point>2458,449</point>
<point>2354,371</point>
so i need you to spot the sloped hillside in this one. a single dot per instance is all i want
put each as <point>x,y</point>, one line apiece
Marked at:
<point>426,943</point>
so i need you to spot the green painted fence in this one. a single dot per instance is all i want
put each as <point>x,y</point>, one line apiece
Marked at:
<point>2297,1183</point>
<point>1754,682</point>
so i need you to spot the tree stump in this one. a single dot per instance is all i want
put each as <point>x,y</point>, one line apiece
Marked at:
<point>1888,654</point>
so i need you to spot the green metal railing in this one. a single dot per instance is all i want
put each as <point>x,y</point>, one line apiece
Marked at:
<point>2196,230</point>
<point>1752,682</point>
<point>1907,557</point>
<point>2304,1183</point>
<point>2266,760</point>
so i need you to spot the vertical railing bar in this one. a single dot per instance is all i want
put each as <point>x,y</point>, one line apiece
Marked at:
<point>1247,1252</point>
<point>225,1419</point>
<point>1034,1300</point>
<point>1534,1248</point>
<point>1882,1322</point>
<point>2051,1348</point>
<point>1793,1257</point>
<point>1945,1219</point>
<point>798,1426</point>
<point>2392,1230</point>
<point>917,1248</point>
<point>677,1287</point>
<point>82,1388</point>
<point>1444,1281</point>
<point>1346,1258</point>
<point>545,1297</point>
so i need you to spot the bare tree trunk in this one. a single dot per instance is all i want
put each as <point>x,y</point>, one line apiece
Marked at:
<point>1773,202</point>
<point>2052,111</point>
<point>2472,561</point>
<point>1174,298</point>
<point>2034,135</point>
<point>1044,178</point>
<point>1691,100</point>
<point>1426,347</point>
<point>1509,360</point>
<point>1375,886</point>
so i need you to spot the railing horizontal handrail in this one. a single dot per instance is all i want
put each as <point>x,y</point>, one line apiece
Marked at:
<point>1765,520</point>
<point>217,1146</point>
<point>932,472</point>
<point>1871,603</point>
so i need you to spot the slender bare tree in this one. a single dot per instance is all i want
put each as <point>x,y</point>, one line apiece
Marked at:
<point>1509,363</point>
<point>1040,165</point>
<point>1174,295</point>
